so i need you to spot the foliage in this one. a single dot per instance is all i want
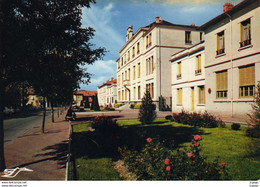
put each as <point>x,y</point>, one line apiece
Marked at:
<point>137,106</point>
<point>235,126</point>
<point>197,119</point>
<point>156,162</point>
<point>95,105</point>
<point>117,105</point>
<point>109,108</point>
<point>254,130</point>
<point>147,111</point>
<point>169,117</point>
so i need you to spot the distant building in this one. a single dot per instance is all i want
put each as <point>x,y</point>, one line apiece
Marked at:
<point>232,53</point>
<point>107,93</point>
<point>144,60</point>
<point>188,79</point>
<point>84,98</point>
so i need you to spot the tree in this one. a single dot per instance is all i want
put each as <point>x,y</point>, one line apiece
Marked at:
<point>147,111</point>
<point>254,116</point>
<point>95,105</point>
<point>42,42</point>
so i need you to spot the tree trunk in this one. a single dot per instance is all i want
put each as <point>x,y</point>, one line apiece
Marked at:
<point>58,112</point>
<point>2,158</point>
<point>52,113</point>
<point>44,114</point>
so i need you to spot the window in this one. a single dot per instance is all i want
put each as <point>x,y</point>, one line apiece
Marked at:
<point>221,84</point>
<point>125,75</point>
<point>198,70</point>
<point>133,51</point>
<point>128,55</point>
<point>150,88</point>
<point>187,37</point>
<point>201,36</point>
<point>245,33</point>
<point>139,92</point>
<point>247,81</point>
<point>179,70</point>
<point>220,43</point>
<point>179,92</point>
<point>138,47</point>
<point>147,41</point>
<point>125,59</point>
<point>129,74</point>
<point>133,72</point>
<point>201,90</point>
<point>123,95</point>
<point>119,95</point>
<point>150,39</point>
<point>122,61</point>
<point>139,70</point>
<point>134,93</point>
<point>149,66</point>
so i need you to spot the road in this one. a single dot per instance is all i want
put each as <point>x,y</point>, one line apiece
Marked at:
<point>18,126</point>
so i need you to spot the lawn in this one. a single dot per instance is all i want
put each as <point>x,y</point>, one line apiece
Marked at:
<point>240,152</point>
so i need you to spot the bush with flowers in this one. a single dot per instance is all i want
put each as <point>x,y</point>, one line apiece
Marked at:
<point>156,162</point>
<point>197,119</point>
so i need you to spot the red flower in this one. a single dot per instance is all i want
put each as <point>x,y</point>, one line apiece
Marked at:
<point>197,137</point>
<point>190,155</point>
<point>168,168</point>
<point>222,164</point>
<point>149,140</point>
<point>167,161</point>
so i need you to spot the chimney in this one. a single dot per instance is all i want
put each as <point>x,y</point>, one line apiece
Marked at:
<point>129,32</point>
<point>158,19</point>
<point>112,79</point>
<point>227,7</point>
<point>193,25</point>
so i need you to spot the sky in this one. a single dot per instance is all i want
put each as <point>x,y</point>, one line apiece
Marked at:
<point>110,18</point>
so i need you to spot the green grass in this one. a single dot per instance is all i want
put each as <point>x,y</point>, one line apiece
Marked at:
<point>241,153</point>
<point>88,165</point>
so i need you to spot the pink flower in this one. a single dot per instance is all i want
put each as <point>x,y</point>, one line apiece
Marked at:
<point>149,140</point>
<point>168,168</point>
<point>222,164</point>
<point>197,137</point>
<point>167,161</point>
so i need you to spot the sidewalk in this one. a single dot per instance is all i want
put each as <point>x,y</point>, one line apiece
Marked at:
<point>45,154</point>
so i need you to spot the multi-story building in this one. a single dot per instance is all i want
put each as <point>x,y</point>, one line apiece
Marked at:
<point>107,93</point>
<point>232,53</point>
<point>188,79</point>
<point>144,60</point>
<point>84,98</point>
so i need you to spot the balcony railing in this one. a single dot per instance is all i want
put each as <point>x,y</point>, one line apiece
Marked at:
<point>198,72</point>
<point>178,76</point>
<point>245,43</point>
<point>220,51</point>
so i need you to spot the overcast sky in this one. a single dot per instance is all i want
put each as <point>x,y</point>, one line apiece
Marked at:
<point>110,18</point>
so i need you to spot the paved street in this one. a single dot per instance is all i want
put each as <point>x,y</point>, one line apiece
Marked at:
<point>16,127</point>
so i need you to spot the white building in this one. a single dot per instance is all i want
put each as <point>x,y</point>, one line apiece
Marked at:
<point>144,60</point>
<point>232,53</point>
<point>107,93</point>
<point>188,79</point>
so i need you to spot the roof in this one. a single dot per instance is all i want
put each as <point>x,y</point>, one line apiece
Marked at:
<point>109,82</point>
<point>86,93</point>
<point>224,15</point>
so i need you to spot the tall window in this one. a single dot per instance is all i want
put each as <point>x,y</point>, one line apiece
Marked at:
<point>179,92</point>
<point>139,70</point>
<point>125,95</point>
<point>133,51</point>
<point>247,81</point>
<point>134,93</point>
<point>198,70</point>
<point>128,55</point>
<point>122,61</point>
<point>139,92</point>
<point>129,74</point>
<point>119,95</point>
<point>220,43</point>
<point>245,33</point>
<point>150,88</point>
<point>149,66</point>
<point>201,90</point>
<point>201,36</point>
<point>179,70</point>
<point>187,37</point>
<point>134,73</point>
<point>150,39</point>
<point>147,41</point>
<point>138,47</point>
<point>221,84</point>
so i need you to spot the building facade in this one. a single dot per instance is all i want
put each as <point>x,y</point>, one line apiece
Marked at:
<point>188,79</point>
<point>232,53</point>
<point>107,93</point>
<point>84,98</point>
<point>144,60</point>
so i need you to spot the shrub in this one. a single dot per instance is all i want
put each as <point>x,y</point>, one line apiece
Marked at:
<point>254,122</point>
<point>132,106</point>
<point>221,124</point>
<point>147,111</point>
<point>209,121</point>
<point>109,109</point>
<point>169,117</point>
<point>235,126</point>
<point>137,106</point>
<point>156,162</point>
<point>117,105</point>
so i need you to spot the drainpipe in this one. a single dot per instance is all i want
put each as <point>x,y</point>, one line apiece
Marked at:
<point>232,67</point>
